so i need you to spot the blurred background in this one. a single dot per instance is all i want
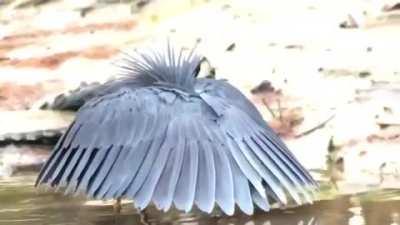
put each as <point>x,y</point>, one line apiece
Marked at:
<point>324,74</point>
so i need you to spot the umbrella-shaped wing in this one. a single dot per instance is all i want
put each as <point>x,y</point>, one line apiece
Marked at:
<point>181,141</point>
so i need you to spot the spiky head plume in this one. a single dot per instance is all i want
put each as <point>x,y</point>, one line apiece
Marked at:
<point>166,67</point>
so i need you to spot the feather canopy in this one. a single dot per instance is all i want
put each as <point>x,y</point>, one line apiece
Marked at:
<point>161,135</point>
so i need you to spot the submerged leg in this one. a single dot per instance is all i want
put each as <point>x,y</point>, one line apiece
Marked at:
<point>143,217</point>
<point>117,206</point>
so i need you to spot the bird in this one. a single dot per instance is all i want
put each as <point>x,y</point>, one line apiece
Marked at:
<point>160,135</point>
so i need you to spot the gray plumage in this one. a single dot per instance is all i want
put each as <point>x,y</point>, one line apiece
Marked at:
<point>160,134</point>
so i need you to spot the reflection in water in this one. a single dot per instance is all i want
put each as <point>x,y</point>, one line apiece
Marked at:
<point>387,213</point>
<point>357,218</point>
<point>21,204</point>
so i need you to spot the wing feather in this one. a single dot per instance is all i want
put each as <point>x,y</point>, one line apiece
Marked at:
<point>274,170</point>
<point>51,160</point>
<point>114,177</point>
<point>91,173</point>
<point>251,174</point>
<point>144,169</point>
<point>59,153</point>
<point>187,182</point>
<point>166,186</point>
<point>241,188</point>
<point>290,163</point>
<point>274,140</point>
<point>260,201</point>
<point>281,179</point>
<point>73,156</point>
<point>160,196</point>
<point>164,145</point>
<point>224,193</point>
<point>135,158</point>
<point>144,194</point>
<point>103,171</point>
<point>272,182</point>
<point>58,171</point>
<point>286,171</point>
<point>83,162</point>
<point>205,189</point>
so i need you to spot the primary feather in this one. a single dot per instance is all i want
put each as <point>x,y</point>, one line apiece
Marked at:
<point>160,134</point>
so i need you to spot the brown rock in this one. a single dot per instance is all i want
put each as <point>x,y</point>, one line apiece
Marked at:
<point>14,96</point>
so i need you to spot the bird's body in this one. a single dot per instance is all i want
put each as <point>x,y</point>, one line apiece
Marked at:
<point>162,135</point>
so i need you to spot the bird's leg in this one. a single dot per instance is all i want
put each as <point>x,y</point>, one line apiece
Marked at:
<point>117,206</point>
<point>143,217</point>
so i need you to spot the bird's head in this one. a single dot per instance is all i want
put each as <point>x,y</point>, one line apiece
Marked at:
<point>168,67</point>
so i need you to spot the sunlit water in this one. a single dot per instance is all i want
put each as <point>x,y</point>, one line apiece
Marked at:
<point>21,204</point>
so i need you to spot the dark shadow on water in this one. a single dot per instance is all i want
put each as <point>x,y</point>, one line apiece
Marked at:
<point>21,204</point>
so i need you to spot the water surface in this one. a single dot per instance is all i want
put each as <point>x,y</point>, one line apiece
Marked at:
<point>22,204</point>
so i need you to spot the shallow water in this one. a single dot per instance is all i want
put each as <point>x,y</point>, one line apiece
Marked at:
<point>21,204</point>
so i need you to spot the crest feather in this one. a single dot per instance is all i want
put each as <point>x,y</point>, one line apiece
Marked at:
<point>165,67</point>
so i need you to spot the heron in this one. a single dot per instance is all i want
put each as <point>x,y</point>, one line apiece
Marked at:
<point>161,135</point>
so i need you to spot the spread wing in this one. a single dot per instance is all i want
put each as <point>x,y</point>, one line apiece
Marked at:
<point>165,146</point>
<point>222,89</point>
<point>283,178</point>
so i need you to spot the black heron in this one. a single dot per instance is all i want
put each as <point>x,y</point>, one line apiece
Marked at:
<point>159,134</point>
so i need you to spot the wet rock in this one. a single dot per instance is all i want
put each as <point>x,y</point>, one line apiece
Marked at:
<point>277,109</point>
<point>381,88</point>
<point>41,136</point>
<point>33,126</point>
<point>53,61</point>
<point>18,158</point>
<point>15,96</point>
<point>30,3</point>
<point>391,7</point>
<point>350,22</point>
<point>366,134</point>
<point>364,74</point>
<point>383,98</point>
<point>286,120</point>
<point>138,5</point>
<point>294,46</point>
<point>344,72</point>
<point>264,87</point>
<point>231,47</point>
